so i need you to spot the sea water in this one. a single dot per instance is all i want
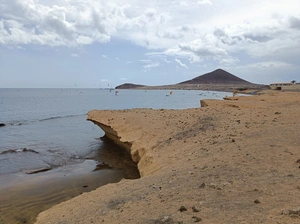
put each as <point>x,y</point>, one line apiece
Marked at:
<point>46,130</point>
<point>50,124</point>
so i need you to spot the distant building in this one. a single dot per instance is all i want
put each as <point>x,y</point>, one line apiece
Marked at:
<point>285,86</point>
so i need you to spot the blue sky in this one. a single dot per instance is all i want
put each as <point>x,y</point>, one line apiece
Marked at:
<point>88,43</point>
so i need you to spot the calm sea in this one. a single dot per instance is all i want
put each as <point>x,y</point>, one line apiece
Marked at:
<point>47,129</point>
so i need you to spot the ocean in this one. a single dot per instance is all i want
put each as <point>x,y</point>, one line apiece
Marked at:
<point>50,153</point>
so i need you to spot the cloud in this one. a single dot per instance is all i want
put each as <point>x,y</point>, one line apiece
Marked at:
<point>84,40</point>
<point>145,60</point>
<point>229,61</point>
<point>74,55</point>
<point>118,59</point>
<point>294,22</point>
<point>104,56</point>
<point>268,64</point>
<point>123,79</point>
<point>160,25</point>
<point>180,63</point>
<point>151,65</point>
<point>217,33</point>
<point>183,3</point>
<point>198,50</point>
<point>204,2</point>
<point>105,80</point>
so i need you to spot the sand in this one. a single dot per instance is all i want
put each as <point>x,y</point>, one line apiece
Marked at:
<point>231,161</point>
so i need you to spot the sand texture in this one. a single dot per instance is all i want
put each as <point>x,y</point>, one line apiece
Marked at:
<point>231,161</point>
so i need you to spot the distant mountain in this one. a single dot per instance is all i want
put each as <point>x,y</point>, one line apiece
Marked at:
<point>128,86</point>
<point>218,76</point>
<point>218,80</point>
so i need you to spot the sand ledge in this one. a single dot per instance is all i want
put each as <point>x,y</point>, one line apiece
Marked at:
<point>233,161</point>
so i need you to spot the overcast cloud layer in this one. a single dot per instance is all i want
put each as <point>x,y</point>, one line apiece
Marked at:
<point>60,43</point>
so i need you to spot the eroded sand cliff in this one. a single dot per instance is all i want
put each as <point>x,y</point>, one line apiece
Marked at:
<point>232,161</point>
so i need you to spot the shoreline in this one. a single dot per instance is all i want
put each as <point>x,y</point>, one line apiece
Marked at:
<point>204,87</point>
<point>231,161</point>
<point>25,194</point>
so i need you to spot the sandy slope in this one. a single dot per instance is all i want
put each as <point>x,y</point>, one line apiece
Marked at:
<point>234,161</point>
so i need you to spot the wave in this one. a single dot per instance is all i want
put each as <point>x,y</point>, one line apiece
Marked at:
<point>59,117</point>
<point>18,150</point>
<point>26,122</point>
<point>16,123</point>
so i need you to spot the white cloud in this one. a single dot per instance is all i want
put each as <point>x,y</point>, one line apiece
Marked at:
<point>151,65</point>
<point>84,40</point>
<point>104,56</point>
<point>269,64</point>
<point>118,59</point>
<point>184,3</point>
<point>204,2</point>
<point>167,61</point>
<point>180,63</point>
<point>198,50</point>
<point>74,55</point>
<point>145,60</point>
<point>229,61</point>
<point>123,79</point>
<point>223,33</point>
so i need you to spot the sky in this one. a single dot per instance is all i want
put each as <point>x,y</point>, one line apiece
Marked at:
<point>101,43</point>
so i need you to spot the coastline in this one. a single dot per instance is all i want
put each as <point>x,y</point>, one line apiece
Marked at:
<point>231,161</point>
<point>204,87</point>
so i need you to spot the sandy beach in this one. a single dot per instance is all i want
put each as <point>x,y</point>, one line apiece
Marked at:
<point>230,161</point>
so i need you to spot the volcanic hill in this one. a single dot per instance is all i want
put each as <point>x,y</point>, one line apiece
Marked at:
<point>218,76</point>
<point>217,80</point>
<point>128,86</point>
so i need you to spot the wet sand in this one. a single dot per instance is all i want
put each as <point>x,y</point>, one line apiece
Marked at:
<point>231,161</point>
<point>24,196</point>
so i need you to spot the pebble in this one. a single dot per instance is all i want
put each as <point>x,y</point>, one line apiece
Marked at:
<point>182,209</point>
<point>202,185</point>
<point>196,219</point>
<point>195,209</point>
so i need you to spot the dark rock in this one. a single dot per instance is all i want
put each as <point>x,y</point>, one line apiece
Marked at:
<point>202,185</point>
<point>195,209</point>
<point>196,219</point>
<point>38,170</point>
<point>256,201</point>
<point>2,125</point>
<point>182,209</point>
<point>298,161</point>
<point>29,150</point>
<point>294,212</point>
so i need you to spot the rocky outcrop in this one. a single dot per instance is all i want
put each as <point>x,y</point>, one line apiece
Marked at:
<point>113,135</point>
<point>130,138</point>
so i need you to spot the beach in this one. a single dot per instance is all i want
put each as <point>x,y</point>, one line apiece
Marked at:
<point>230,161</point>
